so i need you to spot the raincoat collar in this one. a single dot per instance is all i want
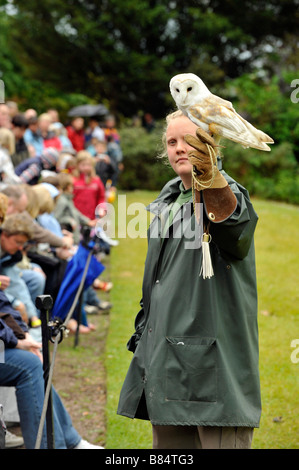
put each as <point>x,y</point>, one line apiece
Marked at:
<point>170,192</point>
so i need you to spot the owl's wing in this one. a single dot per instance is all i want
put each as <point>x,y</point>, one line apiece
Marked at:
<point>220,117</point>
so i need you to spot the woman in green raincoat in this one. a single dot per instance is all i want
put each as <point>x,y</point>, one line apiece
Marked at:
<point>194,373</point>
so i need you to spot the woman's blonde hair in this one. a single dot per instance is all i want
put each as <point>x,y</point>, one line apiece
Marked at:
<point>33,205</point>
<point>45,200</point>
<point>3,206</point>
<point>163,153</point>
<point>7,140</point>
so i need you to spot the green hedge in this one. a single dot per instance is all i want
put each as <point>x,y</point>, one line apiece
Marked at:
<point>267,104</point>
<point>270,175</point>
<point>142,167</point>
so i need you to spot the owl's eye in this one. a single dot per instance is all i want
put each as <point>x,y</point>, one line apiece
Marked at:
<point>189,89</point>
<point>177,90</point>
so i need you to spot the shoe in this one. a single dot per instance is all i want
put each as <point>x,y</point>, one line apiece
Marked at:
<point>107,286</point>
<point>102,285</point>
<point>91,310</point>
<point>95,309</point>
<point>87,445</point>
<point>12,441</point>
<point>103,305</point>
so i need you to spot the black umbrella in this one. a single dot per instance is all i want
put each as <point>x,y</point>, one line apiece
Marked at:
<point>88,110</point>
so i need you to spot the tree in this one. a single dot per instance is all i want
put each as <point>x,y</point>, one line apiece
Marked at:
<point>126,52</point>
<point>9,66</point>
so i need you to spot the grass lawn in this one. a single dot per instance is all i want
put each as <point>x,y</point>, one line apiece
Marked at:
<point>277,248</point>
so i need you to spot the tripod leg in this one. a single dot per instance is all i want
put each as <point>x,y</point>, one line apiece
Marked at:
<point>43,303</point>
<point>79,307</point>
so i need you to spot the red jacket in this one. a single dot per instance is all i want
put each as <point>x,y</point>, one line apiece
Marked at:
<point>76,137</point>
<point>87,196</point>
<point>53,142</point>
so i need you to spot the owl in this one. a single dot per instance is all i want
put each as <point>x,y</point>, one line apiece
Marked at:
<point>214,114</point>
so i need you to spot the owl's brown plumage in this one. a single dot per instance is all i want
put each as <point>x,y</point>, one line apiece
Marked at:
<point>214,114</point>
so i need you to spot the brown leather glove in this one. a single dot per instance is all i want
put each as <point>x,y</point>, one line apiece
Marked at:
<point>204,161</point>
<point>219,200</point>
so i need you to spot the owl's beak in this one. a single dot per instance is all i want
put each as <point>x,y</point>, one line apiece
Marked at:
<point>183,97</point>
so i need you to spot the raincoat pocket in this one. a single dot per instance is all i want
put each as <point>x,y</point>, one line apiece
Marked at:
<point>191,372</point>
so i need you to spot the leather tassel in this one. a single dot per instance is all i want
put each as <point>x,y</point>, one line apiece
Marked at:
<point>206,267</point>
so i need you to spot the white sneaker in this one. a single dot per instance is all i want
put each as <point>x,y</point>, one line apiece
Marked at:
<point>86,445</point>
<point>12,441</point>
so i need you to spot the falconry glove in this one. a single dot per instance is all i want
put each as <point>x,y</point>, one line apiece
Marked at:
<point>219,200</point>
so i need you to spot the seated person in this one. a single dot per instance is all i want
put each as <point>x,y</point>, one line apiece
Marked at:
<point>29,170</point>
<point>14,233</point>
<point>23,370</point>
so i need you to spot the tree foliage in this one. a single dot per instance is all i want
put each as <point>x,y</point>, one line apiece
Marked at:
<point>125,52</point>
<point>273,175</point>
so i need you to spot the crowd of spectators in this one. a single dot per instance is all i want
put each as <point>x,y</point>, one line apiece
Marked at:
<point>54,179</point>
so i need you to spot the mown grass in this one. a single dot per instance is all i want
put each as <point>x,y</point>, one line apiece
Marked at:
<point>277,248</point>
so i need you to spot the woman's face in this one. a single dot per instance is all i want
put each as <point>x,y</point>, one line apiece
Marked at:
<point>177,148</point>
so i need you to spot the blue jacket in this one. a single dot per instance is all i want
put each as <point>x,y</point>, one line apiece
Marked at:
<point>34,163</point>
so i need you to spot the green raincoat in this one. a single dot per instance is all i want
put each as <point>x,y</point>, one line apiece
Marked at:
<point>196,341</point>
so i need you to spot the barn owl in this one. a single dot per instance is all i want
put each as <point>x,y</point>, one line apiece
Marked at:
<point>214,114</point>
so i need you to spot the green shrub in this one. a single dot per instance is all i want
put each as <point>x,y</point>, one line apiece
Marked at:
<point>142,167</point>
<point>268,105</point>
<point>271,175</point>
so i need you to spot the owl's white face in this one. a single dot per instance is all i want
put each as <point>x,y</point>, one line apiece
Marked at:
<point>187,89</point>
